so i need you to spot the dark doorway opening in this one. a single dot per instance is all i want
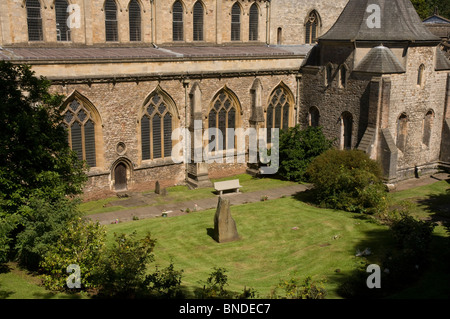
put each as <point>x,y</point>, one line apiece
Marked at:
<point>120,177</point>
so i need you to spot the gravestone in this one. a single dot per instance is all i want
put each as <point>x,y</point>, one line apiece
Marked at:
<point>157,188</point>
<point>225,229</point>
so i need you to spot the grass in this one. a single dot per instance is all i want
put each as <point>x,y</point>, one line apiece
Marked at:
<point>177,194</point>
<point>270,249</point>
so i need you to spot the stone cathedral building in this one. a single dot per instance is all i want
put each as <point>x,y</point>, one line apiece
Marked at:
<point>133,71</point>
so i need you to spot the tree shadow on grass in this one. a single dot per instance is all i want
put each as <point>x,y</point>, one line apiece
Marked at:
<point>438,206</point>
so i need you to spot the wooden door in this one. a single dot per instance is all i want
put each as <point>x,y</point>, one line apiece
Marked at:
<point>120,176</point>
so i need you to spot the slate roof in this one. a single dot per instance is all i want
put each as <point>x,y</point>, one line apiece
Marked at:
<point>120,53</point>
<point>442,62</point>
<point>399,22</point>
<point>380,60</point>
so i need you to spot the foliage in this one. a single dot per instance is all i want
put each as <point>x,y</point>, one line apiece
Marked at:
<point>121,273</point>
<point>82,244</point>
<point>214,288</point>
<point>297,150</point>
<point>294,288</point>
<point>43,223</point>
<point>425,8</point>
<point>165,283</point>
<point>7,225</point>
<point>348,180</point>
<point>35,157</point>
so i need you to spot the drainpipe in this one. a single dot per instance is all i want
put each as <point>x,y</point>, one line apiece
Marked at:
<point>152,24</point>
<point>186,83</point>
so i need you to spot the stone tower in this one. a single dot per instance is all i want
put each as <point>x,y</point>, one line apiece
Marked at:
<point>377,81</point>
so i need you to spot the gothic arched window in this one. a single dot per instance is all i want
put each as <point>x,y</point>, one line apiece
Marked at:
<point>198,21</point>
<point>253,22</point>
<point>111,33</point>
<point>34,20</point>
<point>177,22</point>
<point>80,124</point>
<point>134,13</point>
<point>222,116</point>
<point>236,22</point>
<point>61,14</point>
<point>156,129</point>
<point>311,27</point>
<point>278,111</point>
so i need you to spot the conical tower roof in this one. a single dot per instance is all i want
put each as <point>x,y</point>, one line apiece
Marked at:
<point>398,21</point>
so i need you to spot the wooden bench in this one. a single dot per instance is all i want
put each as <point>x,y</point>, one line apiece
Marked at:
<point>227,185</point>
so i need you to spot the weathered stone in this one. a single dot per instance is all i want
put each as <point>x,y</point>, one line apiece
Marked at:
<point>157,188</point>
<point>225,229</point>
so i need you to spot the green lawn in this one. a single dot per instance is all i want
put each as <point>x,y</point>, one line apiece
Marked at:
<point>270,249</point>
<point>177,194</point>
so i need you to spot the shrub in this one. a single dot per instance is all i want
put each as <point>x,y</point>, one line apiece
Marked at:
<point>348,180</point>
<point>294,288</point>
<point>81,244</point>
<point>297,150</point>
<point>42,224</point>
<point>165,283</point>
<point>215,286</point>
<point>121,273</point>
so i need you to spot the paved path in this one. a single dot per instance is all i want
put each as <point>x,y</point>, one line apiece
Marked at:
<point>202,204</point>
<point>235,199</point>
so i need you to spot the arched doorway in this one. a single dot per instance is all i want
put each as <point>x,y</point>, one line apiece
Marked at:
<point>120,177</point>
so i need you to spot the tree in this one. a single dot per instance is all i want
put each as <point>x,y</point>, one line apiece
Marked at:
<point>297,150</point>
<point>35,158</point>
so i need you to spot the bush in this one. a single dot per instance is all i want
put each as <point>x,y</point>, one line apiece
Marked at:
<point>294,288</point>
<point>82,244</point>
<point>165,283</point>
<point>348,180</point>
<point>297,150</point>
<point>42,224</point>
<point>121,273</point>
<point>215,286</point>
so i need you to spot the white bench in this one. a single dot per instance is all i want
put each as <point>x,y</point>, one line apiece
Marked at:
<point>227,185</point>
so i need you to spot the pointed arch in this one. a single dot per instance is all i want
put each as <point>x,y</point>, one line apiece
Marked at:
<point>84,127</point>
<point>121,173</point>
<point>198,16</point>
<point>313,23</point>
<point>314,116</point>
<point>178,9</point>
<point>254,22</point>
<point>224,113</point>
<point>427,127</point>
<point>280,109</point>
<point>402,131</point>
<point>236,19</point>
<point>158,118</point>
<point>135,20</point>
<point>346,121</point>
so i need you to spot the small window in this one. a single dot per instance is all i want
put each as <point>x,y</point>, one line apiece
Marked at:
<point>111,21</point>
<point>342,76</point>
<point>314,117</point>
<point>328,74</point>
<point>420,75</point>
<point>253,23</point>
<point>198,21</point>
<point>427,127</point>
<point>236,22</point>
<point>34,20</point>
<point>346,130</point>
<point>311,27</point>
<point>61,14</point>
<point>402,132</point>
<point>279,36</point>
<point>134,13</point>
<point>177,22</point>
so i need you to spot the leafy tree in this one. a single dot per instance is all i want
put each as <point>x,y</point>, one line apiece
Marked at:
<point>298,148</point>
<point>35,158</point>
<point>348,180</point>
